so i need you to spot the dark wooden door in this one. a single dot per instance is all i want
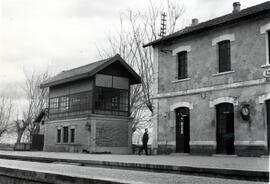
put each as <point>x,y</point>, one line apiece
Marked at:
<point>268,124</point>
<point>37,142</point>
<point>225,129</point>
<point>182,130</point>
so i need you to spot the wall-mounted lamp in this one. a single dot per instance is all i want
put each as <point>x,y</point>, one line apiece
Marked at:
<point>166,115</point>
<point>88,126</point>
<point>203,95</point>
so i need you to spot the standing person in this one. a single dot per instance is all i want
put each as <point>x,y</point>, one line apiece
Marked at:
<point>144,141</point>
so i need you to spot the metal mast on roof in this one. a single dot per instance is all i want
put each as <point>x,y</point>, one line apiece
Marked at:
<point>163,25</point>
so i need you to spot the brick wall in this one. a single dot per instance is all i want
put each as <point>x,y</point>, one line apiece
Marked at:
<point>112,133</point>
<point>105,134</point>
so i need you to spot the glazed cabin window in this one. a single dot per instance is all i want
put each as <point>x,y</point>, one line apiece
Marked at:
<point>72,135</point>
<point>224,56</point>
<point>73,104</point>
<point>111,95</point>
<point>65,135</point>
<point>182,65</point>
<point>111,101</point>
<point>64,104</point>
<point>80,102</point>
<point>54,102</point>
<point>58,135</point>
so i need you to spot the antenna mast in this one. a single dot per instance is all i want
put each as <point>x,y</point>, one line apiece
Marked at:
<point>163,25</point>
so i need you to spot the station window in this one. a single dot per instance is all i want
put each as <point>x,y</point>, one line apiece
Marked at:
<point>58,135</point>
<point>224,56</point>
<point>268,48</point>
<point>182,65</point>
<point>72,135</point>
<point>65,135</point>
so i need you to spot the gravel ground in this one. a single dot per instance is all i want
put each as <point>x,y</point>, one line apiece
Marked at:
<point>125,176</point>
<point>227,162</point>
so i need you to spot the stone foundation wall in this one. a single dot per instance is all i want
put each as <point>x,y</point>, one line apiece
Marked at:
<point>248,151</point>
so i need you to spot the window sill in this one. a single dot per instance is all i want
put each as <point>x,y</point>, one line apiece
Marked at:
<point>181,80</point>
<point>223,73</point>
<point>266,65</point>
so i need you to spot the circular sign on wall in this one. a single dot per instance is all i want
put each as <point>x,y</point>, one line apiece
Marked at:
<point>266,73</point>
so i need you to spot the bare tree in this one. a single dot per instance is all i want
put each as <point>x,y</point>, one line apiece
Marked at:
<point>136,29</point>
<point>5,115</point>
<point>36,99</point>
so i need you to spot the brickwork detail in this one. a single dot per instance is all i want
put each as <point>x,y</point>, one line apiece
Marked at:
<point>112,133</point>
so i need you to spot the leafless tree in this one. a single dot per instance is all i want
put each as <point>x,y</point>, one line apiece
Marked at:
<point>36,100</point>
<point>138,28</point>
<point>6,107</point>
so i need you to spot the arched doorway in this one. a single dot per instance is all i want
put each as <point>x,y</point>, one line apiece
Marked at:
<point>225,128</point>
<point>182,130</point>
<point>267,103</point>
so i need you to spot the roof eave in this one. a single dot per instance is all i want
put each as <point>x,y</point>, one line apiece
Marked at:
<point>136,78</point>
<point>66,80</point>
<point>170,37</point>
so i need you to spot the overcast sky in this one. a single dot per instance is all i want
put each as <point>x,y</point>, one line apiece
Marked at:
<point>62,34</point>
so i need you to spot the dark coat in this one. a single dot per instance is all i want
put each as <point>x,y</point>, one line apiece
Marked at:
<point>145,138</point>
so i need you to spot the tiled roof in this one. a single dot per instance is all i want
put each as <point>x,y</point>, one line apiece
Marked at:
<point>88,71</point>
<point>226,19</point>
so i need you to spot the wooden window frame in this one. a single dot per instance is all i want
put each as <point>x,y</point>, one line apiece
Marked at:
<point>182,68</point>
<point>59,131</point>
<point>65,134</point>
<point>265,30</point>
<point>268,47</point>
<point>107,106</point>
<point>72,135</point>
<point>59,108</point>
<point>224,56</point>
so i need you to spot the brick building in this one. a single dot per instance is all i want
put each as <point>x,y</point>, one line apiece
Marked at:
<point>89,108</point>
<point>212,94</point>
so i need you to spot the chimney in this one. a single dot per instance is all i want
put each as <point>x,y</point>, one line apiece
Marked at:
<point>194,22</point>
<point>236,7</point>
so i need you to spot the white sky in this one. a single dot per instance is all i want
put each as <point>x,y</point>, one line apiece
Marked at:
<point>62,34</point>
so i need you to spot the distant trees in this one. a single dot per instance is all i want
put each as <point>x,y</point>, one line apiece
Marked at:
<point>36,99</point>
<point>6,107</point>
<point>138,28</point>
